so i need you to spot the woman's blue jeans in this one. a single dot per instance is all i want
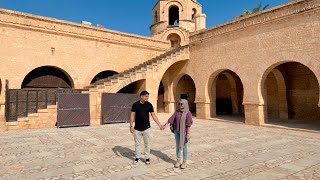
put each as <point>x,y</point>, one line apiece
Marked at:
<point>185,148</point>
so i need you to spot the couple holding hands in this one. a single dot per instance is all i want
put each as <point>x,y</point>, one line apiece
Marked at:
<point>180,123</point>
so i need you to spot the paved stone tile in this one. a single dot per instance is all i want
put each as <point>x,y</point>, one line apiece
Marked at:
<point>217,150</point>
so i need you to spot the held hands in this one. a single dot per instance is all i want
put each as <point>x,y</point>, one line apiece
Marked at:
<point>163,126</point>
<point>188,137</point>
<point>131,129</point>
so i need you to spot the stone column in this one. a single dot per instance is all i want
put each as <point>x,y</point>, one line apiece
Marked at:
<point>255,114</point>
<point>2,108</point>
<point>203,109</point>
<point>95,108</point>
<point>152,86</point>
<point>170,106</point>
<point>200,21</point>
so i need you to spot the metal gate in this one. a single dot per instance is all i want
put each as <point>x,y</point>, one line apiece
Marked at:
<point>116,108</point>
<point>73,110</point>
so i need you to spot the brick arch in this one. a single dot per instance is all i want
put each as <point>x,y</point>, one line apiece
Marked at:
<point>152,76</point>
<point>176,83</point>
<point>34,71</point>
<point>282,106</point>
<point>103,75</point>
<point>71,72</point>
<point>183,34</point>
<point>95,71</point>
<point>235,97</point>
<point>168,82</point>
<point>295,108</point>
<point>266,71</point>
<point>173,3</point>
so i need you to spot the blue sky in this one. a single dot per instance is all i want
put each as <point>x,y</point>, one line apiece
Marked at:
<point>126,15</point>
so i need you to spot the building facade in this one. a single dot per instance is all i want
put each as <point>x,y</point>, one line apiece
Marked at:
<point>260,68</point>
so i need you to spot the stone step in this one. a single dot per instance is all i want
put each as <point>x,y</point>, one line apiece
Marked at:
<point>52,107</point>
<point>23,119</point>
<point>14,123</point>
<point>42,110</point>
<point>108,84</point>
<point>142,68</point>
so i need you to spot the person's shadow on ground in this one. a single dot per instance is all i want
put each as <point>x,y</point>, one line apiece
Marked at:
<point>130,154</point>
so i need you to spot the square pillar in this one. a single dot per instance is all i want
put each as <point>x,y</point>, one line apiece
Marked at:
<point>255,114</point>
<point>203,110</point>
<point>170,106</point>
<point>95,108</point>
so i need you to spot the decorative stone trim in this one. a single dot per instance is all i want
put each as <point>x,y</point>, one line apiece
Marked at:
<point>61,27</point>
<point>269,15</point>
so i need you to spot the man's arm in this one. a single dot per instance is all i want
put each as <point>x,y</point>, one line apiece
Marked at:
<point>132,118</point>
<point>155,118</point>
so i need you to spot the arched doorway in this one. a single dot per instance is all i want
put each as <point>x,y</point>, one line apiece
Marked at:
<point>103,75</point>
<point>174,40</point>
<point>134,88</point>
<point>226,96</point>
<point>277,105</point>
<point>47,77</point>
<point>174,16</point>
<point>291,93</point>
<point>186,89</point>
<point>160,101</point>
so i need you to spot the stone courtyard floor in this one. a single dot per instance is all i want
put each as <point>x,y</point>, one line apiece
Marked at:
<point>217,150</point>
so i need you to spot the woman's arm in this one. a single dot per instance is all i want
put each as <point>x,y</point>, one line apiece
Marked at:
<point>188,133</point>
<point>171,119</point>
<point>189,120</point>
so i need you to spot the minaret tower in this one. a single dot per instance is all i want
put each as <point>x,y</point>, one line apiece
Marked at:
<point>173,20</point>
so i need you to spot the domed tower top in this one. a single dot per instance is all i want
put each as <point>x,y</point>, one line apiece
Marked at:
<point>177,13</point>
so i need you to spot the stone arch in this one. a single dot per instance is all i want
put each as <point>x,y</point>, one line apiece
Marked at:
<point>302,90</point>
<point>103,75</point>
<point>134,87</point>
<point>175,40</point>
<point>276,94</point>
<point>47,77</point>
<point>268,68</point>
<point>174,3</point>
<point>185,88</point>
<point>176,30</point>
<point>169,76</point>
<point>161,98</point>
<point>98,69</point>
<point>225,93</point>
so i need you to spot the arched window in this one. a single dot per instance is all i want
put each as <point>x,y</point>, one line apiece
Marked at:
<point>47,77</point>
<point>194,13</point>
<point>174,16</point>
<point>175,40</point>
<point>155,17</point>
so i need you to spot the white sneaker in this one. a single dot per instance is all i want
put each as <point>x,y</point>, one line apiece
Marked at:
<point>184,165</point>
<point>178,164</point>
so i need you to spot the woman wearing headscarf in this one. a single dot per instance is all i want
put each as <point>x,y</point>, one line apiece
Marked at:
<point>182,121</point>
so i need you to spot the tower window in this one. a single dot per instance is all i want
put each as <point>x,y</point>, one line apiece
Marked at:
<point>194,13</point>
<point>174,16</point>
<point>155,17</point>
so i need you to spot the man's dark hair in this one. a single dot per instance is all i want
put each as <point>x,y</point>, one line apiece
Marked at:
<point>143,93</point>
